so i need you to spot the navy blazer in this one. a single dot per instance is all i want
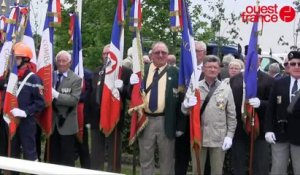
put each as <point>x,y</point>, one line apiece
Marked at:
<point>279,100</point>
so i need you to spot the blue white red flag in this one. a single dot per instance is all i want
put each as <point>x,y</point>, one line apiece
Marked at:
<point>27,38</point>
<point>11,99</point>
<point>136,15</point>
<point>111,102</point>
<point>77,64</point>
<point>5,53</point>
<point>250,75</point>
<point>250,118</point>
<point>45,63</point>
<point>187,75</point>
<point>3,25</point>
<point>138,118</point>
<point>175,15</point>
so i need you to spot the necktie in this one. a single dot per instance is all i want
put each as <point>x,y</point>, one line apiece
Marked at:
<point>294,89</point>
<point>154,92</point>
<point>58,80</point>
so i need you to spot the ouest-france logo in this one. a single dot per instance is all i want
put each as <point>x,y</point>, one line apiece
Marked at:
<point>268,13</point>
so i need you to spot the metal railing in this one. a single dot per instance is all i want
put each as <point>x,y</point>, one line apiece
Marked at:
<point>32,167</point>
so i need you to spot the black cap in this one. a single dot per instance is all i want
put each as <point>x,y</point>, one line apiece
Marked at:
<point>294,55</point>
<point>246,50</point>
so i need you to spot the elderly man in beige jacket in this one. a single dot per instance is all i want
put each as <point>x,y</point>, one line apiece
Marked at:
<point>218,120</point>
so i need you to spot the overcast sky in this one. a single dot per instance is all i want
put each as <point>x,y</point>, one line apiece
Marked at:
<point>271,32</point>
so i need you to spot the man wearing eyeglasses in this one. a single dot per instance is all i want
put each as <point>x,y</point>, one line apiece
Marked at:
<point>283,119</point>
<point>218,121</point>
<point>160,85</point>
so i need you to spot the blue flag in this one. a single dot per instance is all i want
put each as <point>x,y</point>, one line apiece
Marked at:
<point>188,60</point>
<point>250,76</point>
<point>77,64</point>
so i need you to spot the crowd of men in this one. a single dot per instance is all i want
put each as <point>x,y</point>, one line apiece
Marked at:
<point>223,110</point>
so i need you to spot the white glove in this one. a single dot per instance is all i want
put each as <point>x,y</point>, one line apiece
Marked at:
<point>190,101</point>
<point>255,102</point>
<point>118,84</point>
<point>270,137</point>
<point>55,94</point>
<point>227,143</point>
<point>179,133</point>
<point>134,79</point>
<point>18,113</point>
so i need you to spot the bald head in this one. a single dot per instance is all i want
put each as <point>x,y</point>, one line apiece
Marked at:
<point>172,60</point>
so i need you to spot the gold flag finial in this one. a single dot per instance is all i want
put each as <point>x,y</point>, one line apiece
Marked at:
<point>3,6</point>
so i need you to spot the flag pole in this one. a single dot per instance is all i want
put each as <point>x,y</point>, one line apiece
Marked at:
<point>252,124</point>
<point>251,142</point>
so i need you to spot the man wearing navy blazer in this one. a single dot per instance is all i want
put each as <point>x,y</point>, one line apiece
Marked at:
<point>66,93</point>
<point>241,141</point>
<point>282,125</point>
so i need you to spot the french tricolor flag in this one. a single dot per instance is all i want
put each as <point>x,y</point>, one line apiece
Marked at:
<point>111,102</point>
<point>45,63</point>
<point>175,15</point>
<point>187,77</point>
<point>27,37</point>
<point>77,66</point>
<point>138,118</point>
<point>7,46</point>
<point>11,100</point>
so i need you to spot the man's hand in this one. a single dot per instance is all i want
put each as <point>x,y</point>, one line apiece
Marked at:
<point>190,101</point>
<point>55,94</point>
<point>134,79</point>
<point>270,137</point>
<point>255,102</point>
<point>18,113</point>
<point>179,133</point>
<point>227,143</point>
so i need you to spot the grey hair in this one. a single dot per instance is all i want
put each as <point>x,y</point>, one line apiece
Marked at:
<point>211,58</point>
<point>274,68</point>
<point>63,52</point>
<point>159,42</point>
<point>237,63</point>
<point>227,58</point>
<point>201,44</point>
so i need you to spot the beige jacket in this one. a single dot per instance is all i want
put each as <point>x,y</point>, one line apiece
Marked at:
<point>219,118</point>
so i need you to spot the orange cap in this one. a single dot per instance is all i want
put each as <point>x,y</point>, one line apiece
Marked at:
<point>23,50</point>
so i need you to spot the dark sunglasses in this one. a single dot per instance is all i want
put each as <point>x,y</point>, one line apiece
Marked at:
<point>293,64</point>
<point>285,64</point>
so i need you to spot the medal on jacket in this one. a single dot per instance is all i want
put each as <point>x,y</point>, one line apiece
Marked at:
<point>220,102</point>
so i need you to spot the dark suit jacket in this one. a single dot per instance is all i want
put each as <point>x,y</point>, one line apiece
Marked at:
<point>65,106</point>
<point>277,110</point>
<point>97,85</point>
<point>172,106</point>
<point>264,84</point>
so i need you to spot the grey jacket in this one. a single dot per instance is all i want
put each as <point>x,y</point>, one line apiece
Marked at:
<point>65,106</point>
<point>219,118</point>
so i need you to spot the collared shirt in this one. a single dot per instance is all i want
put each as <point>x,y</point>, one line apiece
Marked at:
<point>64,75</point>
<point>291,86</point>
<point>199,67</point>
<point>162,83</point>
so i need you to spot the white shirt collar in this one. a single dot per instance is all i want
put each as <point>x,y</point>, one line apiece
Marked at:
<point>199,66</point>
<point>65,74</point>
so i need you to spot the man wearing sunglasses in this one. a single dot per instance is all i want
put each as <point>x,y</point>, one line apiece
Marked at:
<point>283,119</point>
